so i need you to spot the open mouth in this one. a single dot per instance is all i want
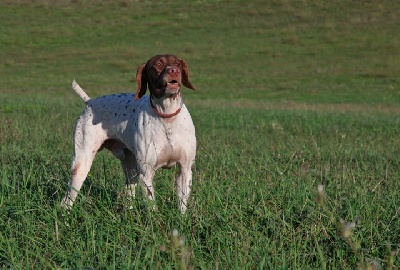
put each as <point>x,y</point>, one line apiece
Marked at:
<point>171,87</point>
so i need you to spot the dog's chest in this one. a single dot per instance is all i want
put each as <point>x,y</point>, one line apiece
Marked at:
<point>169,142</point>
<point>153,139</point>
<point>168,148</point>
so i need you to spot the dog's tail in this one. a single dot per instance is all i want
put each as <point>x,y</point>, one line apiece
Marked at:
<point>80,91</point>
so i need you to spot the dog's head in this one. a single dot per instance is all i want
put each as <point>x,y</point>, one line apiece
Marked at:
<point>163,75</point>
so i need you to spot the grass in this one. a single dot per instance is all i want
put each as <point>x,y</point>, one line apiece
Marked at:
<point>297,119</point>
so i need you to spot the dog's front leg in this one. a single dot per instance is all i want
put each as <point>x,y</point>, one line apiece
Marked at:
<point>146,180</point>
<point>183,186</point>
<point>131,177</point>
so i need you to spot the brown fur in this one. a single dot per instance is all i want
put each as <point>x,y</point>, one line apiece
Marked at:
<point>150,76</point>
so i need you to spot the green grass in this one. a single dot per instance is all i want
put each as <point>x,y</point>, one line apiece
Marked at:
<point>290,95</point>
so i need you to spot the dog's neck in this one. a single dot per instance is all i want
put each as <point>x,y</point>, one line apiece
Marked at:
<point>167,107</point>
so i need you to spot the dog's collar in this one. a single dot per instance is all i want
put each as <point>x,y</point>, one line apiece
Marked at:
<point>166,115</point>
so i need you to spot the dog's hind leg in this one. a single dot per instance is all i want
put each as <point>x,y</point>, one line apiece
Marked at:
<point>86,147</point>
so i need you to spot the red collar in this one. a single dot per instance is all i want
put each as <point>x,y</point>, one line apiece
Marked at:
<point>165,115</point>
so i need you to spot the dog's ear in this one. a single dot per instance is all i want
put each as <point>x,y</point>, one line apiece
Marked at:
<point>185,75</point>
<point>141,79</point>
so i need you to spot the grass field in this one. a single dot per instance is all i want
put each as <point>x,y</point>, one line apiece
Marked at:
<point>297,115</point>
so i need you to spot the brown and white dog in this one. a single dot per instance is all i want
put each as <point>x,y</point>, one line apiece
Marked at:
<point>144,132</point>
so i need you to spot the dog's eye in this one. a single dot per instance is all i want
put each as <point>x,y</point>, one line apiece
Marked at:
<point>159,65</point>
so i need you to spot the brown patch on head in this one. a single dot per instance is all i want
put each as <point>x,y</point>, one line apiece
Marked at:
<point>162,72</point>
<point>185,75</point>
<point>141,79</point>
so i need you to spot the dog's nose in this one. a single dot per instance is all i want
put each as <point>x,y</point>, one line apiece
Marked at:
<point>173,71</point>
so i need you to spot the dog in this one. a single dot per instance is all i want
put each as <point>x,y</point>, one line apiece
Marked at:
<point>145,132</point>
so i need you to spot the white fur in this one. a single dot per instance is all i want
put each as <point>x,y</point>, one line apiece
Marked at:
<point>141,140</point>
